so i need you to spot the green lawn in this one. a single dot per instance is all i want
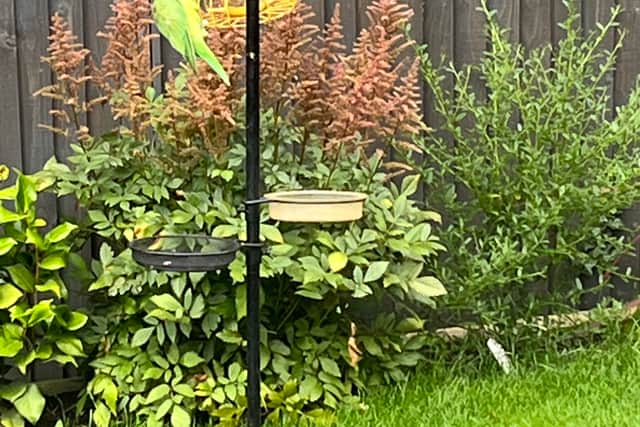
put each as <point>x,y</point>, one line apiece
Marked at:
<point>594,386</point>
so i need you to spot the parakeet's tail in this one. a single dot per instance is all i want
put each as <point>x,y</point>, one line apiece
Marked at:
<point>210,58</point>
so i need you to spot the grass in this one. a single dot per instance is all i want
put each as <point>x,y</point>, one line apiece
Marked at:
<point>588,387</point>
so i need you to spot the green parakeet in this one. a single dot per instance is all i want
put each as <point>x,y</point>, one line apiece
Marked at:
<point>179,22</point>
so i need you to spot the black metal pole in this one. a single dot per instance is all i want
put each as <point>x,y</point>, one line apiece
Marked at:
<point>254,252</point>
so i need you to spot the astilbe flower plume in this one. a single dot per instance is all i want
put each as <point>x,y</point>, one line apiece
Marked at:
<point>67,60</point>
<point>199,105</point>
<point>283,51</point>
<point>125,70</point>
<point>340,100</point>
<point>372,94</point>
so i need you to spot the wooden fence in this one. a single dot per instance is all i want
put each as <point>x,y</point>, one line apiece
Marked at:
<point>451,27</point>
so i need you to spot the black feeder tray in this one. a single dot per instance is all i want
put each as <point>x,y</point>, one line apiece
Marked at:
<point>185,253</point>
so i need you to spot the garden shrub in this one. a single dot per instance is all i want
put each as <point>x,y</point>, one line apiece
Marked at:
<point>35,325</point>
<point>533,177</point>
<point>339,300</point>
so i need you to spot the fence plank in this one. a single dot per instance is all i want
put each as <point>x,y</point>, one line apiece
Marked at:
<point>99,120</point>
<point>470,40</point>
<point>508,16</point>
<point>626,74</point>
<point>11,138</point>
<point>32,26</point>
<point>535,23</point>
<point>318,8</point>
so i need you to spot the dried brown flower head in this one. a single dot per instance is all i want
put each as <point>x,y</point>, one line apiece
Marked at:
<point>125,70</point>
<point>67,59</point>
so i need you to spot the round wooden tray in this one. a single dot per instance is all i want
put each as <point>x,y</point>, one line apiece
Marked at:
<point>193,253</point>
<point>316,206</point>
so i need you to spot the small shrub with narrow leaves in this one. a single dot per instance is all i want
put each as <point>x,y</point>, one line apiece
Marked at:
<point>534,176</point>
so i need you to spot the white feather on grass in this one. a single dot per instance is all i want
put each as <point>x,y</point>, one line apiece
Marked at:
<point>500,355</point>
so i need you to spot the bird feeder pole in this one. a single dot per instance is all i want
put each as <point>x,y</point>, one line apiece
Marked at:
<point>252,211</point>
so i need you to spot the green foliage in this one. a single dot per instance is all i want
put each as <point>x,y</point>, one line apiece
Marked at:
<point>34,325</point>
<point>533,176</point>
<point>169,347</point>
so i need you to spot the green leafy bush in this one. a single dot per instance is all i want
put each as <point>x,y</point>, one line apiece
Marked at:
<point>534,176</point>
<point>34,325</point>
<point>339,300</point>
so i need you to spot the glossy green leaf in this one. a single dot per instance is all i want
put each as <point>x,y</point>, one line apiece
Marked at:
<point>330,366</point>
<point>26,194</point>
<point>311,388</point>
<point>163,409</point>
<point>60,232</point>
<point>31,404</point>
<point>71,320</point>
<point>157,393</point>
<point>427,287</point>
<point>102,415</point>
<point>22,277</point>
<point>198,307</point>
<point>70,346</point>
<point>8,193</point>
<point>9,295</point>
<point>23,360</point>
<point>225,230</point>
<point>6,244</point>
<point>34,238</point>
<point>337,261</point>
<point>7,216</point>
<point>375,271</point>
<point>110,396</point>
<point>142,336</point>
<point>11,392</point>
<point>11,418</point>
<point>53,262</point>
<point>166,302</point>
<point>185,390</point>
<point>180,417</point>
<point>153,373</point>
<point>191,359</point>
<point>271,232</point>
<point>52,286</point>
<point>10,340</point>
<point>241,302</point>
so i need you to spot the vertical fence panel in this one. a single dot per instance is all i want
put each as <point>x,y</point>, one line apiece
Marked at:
<point>10,138</point>
<point>451,27</point>
<point>508,16</point>
<point>438,34</point>
<point>626,76</point>
<point>99,120</point>
<point>470,40</point>
<point>32,26</point>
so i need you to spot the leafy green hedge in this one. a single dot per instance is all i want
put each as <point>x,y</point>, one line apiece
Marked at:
<point>35,324</point>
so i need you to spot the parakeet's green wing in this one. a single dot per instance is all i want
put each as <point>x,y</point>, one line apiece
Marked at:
<point>170,18</point>
<point>197,36</point>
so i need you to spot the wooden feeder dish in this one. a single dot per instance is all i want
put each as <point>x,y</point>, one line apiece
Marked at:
<point>316,206</point>
<point>185,253</point>
<point>230,15</point>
